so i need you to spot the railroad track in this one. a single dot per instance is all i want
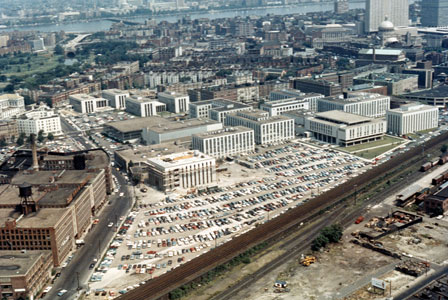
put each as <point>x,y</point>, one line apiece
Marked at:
<point>158,288</point>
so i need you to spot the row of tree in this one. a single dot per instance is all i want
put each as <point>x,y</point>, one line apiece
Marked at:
<point>330,234</point>
<point>40,138</point>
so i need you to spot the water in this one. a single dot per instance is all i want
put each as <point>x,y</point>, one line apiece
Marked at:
<point>101,25</point>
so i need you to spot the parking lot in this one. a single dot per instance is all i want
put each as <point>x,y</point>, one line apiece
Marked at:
<point>167,231</point>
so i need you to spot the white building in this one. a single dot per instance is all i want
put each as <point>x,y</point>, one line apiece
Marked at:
<point>216,109</point>
<point>364,104</point>
<point>144,107</point>
<point>11,105</point>
<point>239,78</point>
<point>225,142</point>
<point>117,98</point>
<point>183,170</point>
<point>176,103</point>
<point>43,118</point>
<point>87,104</point>
<point>412,118</point>
<point>284,94</point>
<point>275,108</point>
<point>267,130</point>
<point>397,12</point>
<point>345,129</point>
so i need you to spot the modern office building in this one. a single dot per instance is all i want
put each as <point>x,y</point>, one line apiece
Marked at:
<point>284,94</point>
<point>344,129</point>
<point>24,273</point>
<point>396,11</point>
<point>174,130</point>
<point>341,6</point>
<point>412,118</point>
<point>144,107</point>
<point>364,104</point>
<point>278,107</point>
<point>216,109</point>
<point>43,118</point>
<point>226,142</point>
<point>117,98</point>
<point>11,105</point>
<point>319,86</point>
<point>267,130</point>
<point>87,104</point>
<point>434,13</point>
<point>191,169</point>
<point>175,102</point>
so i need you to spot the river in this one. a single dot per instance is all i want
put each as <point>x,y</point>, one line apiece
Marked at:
<point>100,25</point>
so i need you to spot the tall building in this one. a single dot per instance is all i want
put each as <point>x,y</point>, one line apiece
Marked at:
<point>434,13</point>
<point>412,118</point>
<point>341,6</point>
<point>43,119</point>
<point>396,11</point>
<point>364,104</point>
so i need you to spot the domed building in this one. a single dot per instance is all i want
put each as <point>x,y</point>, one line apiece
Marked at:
<point>386,26</point>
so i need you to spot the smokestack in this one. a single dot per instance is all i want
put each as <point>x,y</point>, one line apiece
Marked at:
<point>34,152</point>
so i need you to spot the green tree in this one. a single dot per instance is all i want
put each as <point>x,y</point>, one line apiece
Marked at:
<point>444,148</point>
<point>333,233</point>
<point>40,136</point>
<point>50,137</point>
<point>58,50</point>
<point>272,77</point>
<point>9,88</point>
<point>319,242</point>
<point>3,142</point>
<point>21,139</point>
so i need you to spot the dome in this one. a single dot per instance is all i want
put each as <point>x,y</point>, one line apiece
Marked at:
<point>391,40</point>
<point>386,26</point>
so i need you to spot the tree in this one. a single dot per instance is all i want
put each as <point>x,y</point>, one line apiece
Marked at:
<point>9,88</point>
<point>21,139</point>
<point>333,233</point>
<point>58,50</point>
<point>272,77</point>
<point>3,142</point>
<point>319,242</point>
<point>50,137</point>
<point>40,136</point>
<point>444,148</point>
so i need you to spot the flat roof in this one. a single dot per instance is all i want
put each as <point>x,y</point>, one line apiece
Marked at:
<point>142,153</point>
<point>437,92</point>
<point>412,107</point>
<point>354,97</point>
<point>343,117</point>
<point>15,263</point>
<point>394,77</point>
<point>176,125</point>
<point>178,159</point>
<point>44,218</point>
<point>223,132</point>
<point>381,51</point>
<point>137,123</point>
<point>9,195</point>
<point>44,177</point>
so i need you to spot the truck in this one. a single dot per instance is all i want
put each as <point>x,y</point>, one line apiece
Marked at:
<point>359,220</point>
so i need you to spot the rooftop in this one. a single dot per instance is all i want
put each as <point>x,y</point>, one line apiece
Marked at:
<point>44,218</point>
<point>338,116</point>
<point>411,107</point>
<point>388,77</point>
<point>225,131</point>
<point>177,125</point>
<point>381,51</point>
<point>437,92</point>
<point>178,159</point>
<point>16,263</point>
<point>354,97</point>
<point>137,123</point>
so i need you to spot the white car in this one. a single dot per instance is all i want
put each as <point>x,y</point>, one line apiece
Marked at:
<point>110,224</point>
<point>62,292</point>
<point>121,194</point>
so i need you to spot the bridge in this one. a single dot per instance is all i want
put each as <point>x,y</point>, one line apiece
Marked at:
<point>126,22</point>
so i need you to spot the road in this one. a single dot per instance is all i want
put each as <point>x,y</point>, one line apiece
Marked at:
<point>96,241</point>
<point>422,283</point>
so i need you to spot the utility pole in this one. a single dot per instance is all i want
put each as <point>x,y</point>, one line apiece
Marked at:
<point>77,279</point>
<point>99,248</point>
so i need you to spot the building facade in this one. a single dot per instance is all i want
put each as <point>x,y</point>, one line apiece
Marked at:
<point>412,118</point>
<point>43,119</point>
<point>11,105</point>
<point>434,13</point>
<point>183,170</point>
<point>364,104</point>
<point>176,103</point>
<point>87,104</point>
<point>225,142</point>
<point>267,130</point>
<point>144,107</point>
<point>344,129</point>
<point>397,11</point>
<point>117,98</point>
<point>216,109</point>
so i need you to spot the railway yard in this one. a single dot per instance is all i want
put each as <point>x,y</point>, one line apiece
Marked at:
<point>169,230</point>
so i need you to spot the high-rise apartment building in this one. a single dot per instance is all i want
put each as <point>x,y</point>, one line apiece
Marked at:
<point>434,13</point>
<point>396,11</point>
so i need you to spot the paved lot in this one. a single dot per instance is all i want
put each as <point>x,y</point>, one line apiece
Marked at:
<point>169,230</point>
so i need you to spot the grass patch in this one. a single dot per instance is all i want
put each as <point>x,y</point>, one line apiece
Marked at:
<point>386,140</point>
<point>32,64</point>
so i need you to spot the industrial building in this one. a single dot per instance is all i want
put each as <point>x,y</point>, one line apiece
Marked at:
<point>226,142</point>
<point>87,104</point>
<point>437,203</point>
<point>144,107</point>
<point>267,130</point>
<point>412,118</point>
<point>190,169</point>
<point>320,86</point>
<point>129,131</point>
<point>216,109</point>
<point>437,96</point>
<point>345,129</point>
<point>396,83</point>
<point>364,104</point>
<point>117,98</point>
<point>175,102</point>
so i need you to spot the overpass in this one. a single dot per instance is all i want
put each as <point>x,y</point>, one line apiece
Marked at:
<point>126,22</point>
<point>71,45</point>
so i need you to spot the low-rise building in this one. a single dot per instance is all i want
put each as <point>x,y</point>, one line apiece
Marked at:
<point>216,109</point>
<point>396,83</point>
<point>129,131</point>
<point>117,98</point>
<point>8,130</point>
<point>345,129</point>
<point>24,273</point>
<point>437,96</point>
<point>412,118</point>
<point>226,142</point>
<point>144,107</point>
<point>173,130</point>
<point>267,130</point>
<point>320,86</point>
<point>183,170</point>
<point>364,104</point>
<point>11,105</point>
<point>43,118</point>
<point>87,104</point>
<point>175,102</point>
<point>437,203</point>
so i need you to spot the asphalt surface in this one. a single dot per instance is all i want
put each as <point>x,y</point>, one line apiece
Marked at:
<point>96,241</point>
